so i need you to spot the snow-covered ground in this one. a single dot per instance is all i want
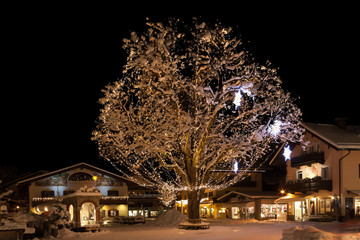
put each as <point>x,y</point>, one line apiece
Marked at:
<point>219,230</point>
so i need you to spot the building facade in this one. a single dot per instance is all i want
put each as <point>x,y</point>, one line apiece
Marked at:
<point>90,193</point>
<point>323,174</point>
<point>244,200</point>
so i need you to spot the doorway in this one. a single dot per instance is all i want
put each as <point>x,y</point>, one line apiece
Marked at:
<point>88,214</point>
<point>299,210</point>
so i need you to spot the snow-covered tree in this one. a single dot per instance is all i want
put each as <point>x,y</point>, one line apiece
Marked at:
<point>59,215</point>
<point>193,110</point>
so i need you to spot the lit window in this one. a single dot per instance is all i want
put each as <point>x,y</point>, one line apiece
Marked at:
<point>299,174</point>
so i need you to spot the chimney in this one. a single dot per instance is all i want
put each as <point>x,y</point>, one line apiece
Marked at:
<point>341,122</point>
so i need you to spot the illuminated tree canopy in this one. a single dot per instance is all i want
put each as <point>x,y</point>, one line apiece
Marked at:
<point>191,105</point>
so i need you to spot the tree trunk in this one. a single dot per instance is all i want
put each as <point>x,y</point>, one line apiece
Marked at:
<point>194,206</point>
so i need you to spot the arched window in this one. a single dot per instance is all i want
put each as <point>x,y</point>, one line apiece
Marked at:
<point>80,176</point>
<point>71,211</point>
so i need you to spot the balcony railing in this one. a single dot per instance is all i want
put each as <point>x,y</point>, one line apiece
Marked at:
<point>114,200</point>
<point>306,185</point>
<point>308,159</point>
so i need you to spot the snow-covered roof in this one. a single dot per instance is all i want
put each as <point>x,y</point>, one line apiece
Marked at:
<point>252,194</point>
<point>79,165</point>
<point>348,139</point>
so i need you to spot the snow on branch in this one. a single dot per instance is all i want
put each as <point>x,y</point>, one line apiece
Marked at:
<point>190,103</point>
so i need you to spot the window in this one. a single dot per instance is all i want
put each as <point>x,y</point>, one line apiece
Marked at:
<point>47,193</point>
<point>113,193</point>
<point>322,206</point>
<point>80,176</point>
<point>299,174</point>
<point>325,173</point>
<point>327,205</point>
<point>66,192</point>
<point>113,213</point>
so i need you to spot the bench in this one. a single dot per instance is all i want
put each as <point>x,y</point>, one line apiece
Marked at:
<point>187,225</point>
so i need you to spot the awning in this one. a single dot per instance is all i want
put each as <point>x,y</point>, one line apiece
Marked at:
<point>291,198</point>
<point>357,192</point>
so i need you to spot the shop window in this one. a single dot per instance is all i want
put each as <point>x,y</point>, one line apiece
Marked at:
<point>322,206</point>
<point>49,193</point>
<point>113,193</point>
<point>113,213</point>
<point>357,206</point>
<point>328,205</point>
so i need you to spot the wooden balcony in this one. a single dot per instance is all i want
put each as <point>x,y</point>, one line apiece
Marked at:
<point>308,159</point>
<point>114,200</point>
<point>307,185</point>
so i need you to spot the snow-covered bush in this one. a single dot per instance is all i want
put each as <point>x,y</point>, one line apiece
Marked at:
<point>59,215</point>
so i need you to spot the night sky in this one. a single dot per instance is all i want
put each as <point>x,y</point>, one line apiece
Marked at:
<point>58,62</point>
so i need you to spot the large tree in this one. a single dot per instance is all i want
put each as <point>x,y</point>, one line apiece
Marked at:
<point>193,110</point>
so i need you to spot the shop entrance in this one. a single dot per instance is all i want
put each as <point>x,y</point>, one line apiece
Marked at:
<point>299,210</point>
<point>357,206</point>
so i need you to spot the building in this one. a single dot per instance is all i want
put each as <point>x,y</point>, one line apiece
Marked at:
<point>90,194</point>
<point>244,200</point>
<point>323,174</point>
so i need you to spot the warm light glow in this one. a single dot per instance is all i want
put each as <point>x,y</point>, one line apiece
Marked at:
<point>17,207</point>
<point>282,191</point>
<point>287,153</point>
<point>46,209</point>
<point>95,178</point>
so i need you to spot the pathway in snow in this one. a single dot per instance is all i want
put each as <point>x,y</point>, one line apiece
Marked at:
<point>219,230</point>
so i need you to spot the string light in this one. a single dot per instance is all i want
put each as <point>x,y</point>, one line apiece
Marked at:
<point>167,131</point>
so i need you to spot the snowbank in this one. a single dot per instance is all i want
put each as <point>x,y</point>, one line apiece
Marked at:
<point>170,218</point>
<point>311,233</point>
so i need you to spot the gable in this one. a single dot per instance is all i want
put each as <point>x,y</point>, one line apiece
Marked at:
<point>81,172</point>
<point>334,136</point>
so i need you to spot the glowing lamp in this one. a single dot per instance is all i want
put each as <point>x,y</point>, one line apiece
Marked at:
<point>95,178</point>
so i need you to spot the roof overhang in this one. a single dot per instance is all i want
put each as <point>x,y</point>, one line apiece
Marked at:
<point>336,145</point>
<point>252,195</point>
<point>356,192</point>
<point>291,198</point>
<point>79,165</point>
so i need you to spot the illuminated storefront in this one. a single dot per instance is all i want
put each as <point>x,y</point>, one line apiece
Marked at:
<point>357,206</point>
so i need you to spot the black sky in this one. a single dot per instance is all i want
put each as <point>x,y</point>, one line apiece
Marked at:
<point>57,62</point>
